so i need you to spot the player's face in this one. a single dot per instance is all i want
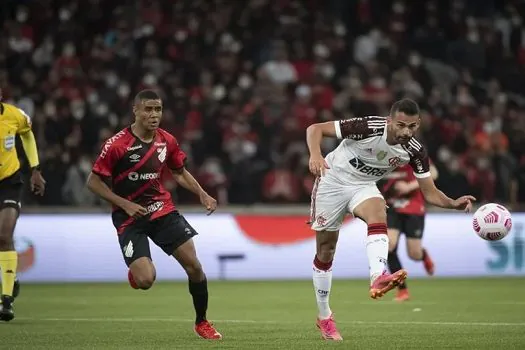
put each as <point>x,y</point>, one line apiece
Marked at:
<point>403,127</point>
<point>148,114</point>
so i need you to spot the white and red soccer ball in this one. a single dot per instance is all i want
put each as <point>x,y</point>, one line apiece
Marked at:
<point>492,222</point>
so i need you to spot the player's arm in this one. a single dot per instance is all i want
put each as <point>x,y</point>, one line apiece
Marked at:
<point>420,164</point>
<point>30,149</point>
<point>403,187</point>
<point>176,162</point>
<point>353,128</point>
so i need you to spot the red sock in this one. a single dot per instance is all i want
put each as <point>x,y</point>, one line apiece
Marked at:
<point>131,280</point>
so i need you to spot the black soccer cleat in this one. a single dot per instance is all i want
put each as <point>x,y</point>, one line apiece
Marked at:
<point>16,288</point>
<point>6,309</point>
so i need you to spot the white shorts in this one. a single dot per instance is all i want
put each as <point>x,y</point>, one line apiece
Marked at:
<point>332,201</point>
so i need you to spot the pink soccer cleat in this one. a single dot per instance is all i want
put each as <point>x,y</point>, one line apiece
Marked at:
<point>206,330</point>
<point>328,329</point>
<point>386,282</point>
<point>428,264</point>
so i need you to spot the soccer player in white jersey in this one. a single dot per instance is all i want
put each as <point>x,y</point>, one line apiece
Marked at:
<point>346,183</point>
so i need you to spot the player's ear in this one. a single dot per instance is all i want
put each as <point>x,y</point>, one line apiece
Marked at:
<point>388,119</point>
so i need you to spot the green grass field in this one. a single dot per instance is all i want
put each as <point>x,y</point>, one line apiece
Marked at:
<point>444,314</point>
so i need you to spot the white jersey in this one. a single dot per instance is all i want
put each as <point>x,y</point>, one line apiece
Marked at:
<point>364,156</point>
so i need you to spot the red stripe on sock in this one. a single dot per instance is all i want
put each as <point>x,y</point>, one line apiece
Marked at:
<point>325,266</point>
<point>377,229</point>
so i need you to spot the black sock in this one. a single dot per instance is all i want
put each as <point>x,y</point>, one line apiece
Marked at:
<point>199,293</point>
<point>394,265</point>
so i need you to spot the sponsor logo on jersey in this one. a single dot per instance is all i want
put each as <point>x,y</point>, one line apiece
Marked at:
<point>134,176</point>
<point>160,144</point>
<point>109,142</point>
<point>154,207</point>
<point>366,169</point>
<point>134,158</point>
<point>129,149</point>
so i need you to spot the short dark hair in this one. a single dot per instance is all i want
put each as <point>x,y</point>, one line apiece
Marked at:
<point>147,94</point>
<point>406,105</point>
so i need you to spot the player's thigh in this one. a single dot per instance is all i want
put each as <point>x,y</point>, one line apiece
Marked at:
<point>135,249</point>
<point>394,228</point>
<point>369,205</point>
<point>328,206</point>
<point>10,197</point>
<point>173,234</point>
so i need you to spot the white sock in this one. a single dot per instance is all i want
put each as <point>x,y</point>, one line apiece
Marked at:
<point>322,285</point>
<point>377,251</point>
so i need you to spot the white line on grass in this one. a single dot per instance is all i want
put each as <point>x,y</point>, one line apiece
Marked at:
<point>132,319</point>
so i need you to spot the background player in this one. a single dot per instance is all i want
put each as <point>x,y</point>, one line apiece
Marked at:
<point>13,121</point>
<point>133,161</point>
<point>406,214</point>
<point>346,182</point>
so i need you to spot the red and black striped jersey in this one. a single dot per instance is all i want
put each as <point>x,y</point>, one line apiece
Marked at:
<point>134,169</point>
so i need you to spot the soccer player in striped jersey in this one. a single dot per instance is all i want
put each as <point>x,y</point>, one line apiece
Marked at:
<point>372,147</point>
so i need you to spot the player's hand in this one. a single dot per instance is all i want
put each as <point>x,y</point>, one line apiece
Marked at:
<point>318,165</point>
<point>209,202</point>
<point>38,184</point>
<point>134,210</point>
<point>463,203</point>
<point>402,188</point>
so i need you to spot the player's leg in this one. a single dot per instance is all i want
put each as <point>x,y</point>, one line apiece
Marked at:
<point>395,226</point>
<point>368,204</point>
<point>173,234</point>
<point>9,212</point>
<point>8,260</point>
<point>415,226</point>
<point>135,249</point>
<point>328,209</point>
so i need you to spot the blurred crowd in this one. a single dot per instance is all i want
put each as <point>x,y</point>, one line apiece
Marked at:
<point>241,81</point>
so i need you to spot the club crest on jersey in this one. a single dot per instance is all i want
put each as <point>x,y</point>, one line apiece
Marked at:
<point>162,154</point>
<point>394,162</point>
<point>381,155</point>
<point>9,142</point>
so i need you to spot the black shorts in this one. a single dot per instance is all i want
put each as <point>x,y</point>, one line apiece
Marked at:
<point>11,191</point>
<point>168,232</point>
<point>411,225</point>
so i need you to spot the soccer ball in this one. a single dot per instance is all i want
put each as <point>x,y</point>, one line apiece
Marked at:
<point>492,222</point>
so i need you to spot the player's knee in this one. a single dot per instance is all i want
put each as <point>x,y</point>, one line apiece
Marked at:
<point>144,281</point>
<point>6,239</point>
<point>415,254</point>
<point>194,270</point>
<point>392,245</point>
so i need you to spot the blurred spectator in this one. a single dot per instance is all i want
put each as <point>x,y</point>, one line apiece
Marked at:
<point>241,81</point>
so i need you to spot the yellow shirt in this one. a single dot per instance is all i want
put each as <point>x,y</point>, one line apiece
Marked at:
<point>13,121</point>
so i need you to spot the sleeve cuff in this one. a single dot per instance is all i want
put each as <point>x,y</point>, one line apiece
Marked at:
<point>422,176</point>
<point>337,126</point>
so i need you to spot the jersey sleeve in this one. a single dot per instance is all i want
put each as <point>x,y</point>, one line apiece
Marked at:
<point>419,160</point>
<point>177,157</point>
<point>23,120</point>
<point>105,161</point>
<point>359,128</point>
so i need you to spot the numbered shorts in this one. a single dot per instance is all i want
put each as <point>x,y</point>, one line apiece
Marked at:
<point>168,232</point>
<point>331,202</point>
<point>11,192</point>
<point>411,225</point>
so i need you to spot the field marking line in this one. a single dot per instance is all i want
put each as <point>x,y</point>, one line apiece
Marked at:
<point>167,319</point>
